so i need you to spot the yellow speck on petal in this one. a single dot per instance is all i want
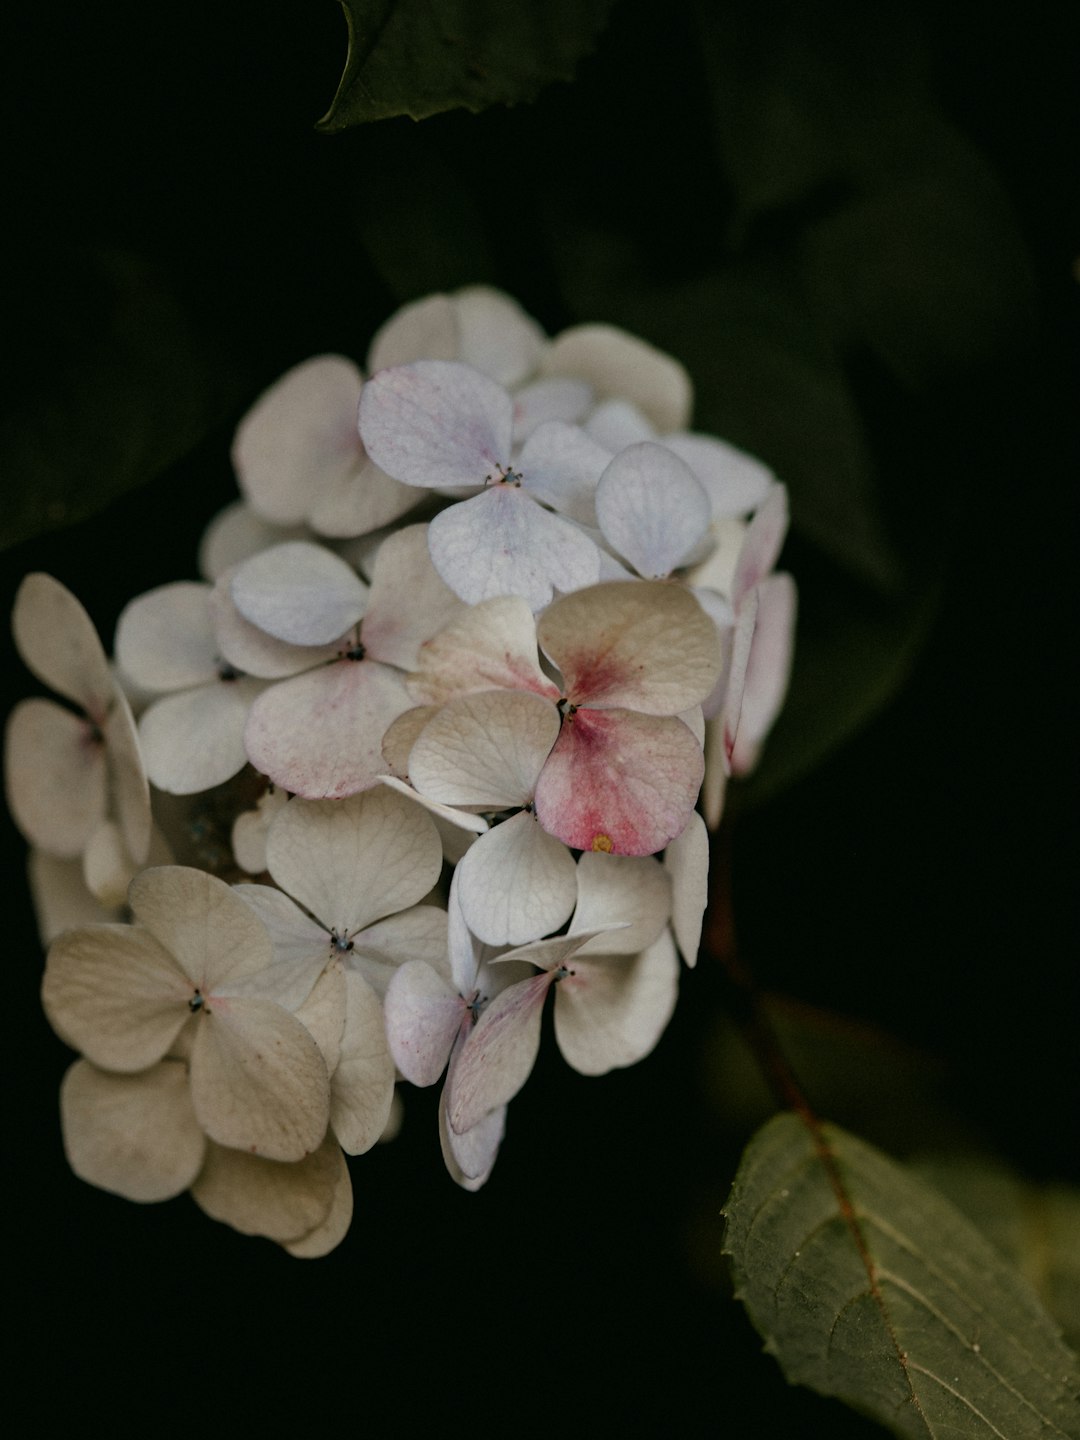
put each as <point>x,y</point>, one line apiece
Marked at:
<point>602,842</point>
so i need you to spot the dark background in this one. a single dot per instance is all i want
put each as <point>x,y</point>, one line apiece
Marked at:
<point>920,878</point>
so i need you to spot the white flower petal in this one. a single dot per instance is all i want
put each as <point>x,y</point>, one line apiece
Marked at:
<point>651,509</point>
<point>362,1086</point>
<point>418,933</point>
<point>114,993</point>
<point>620,365</point>
<point>423,1016</point>
<point>485,749</point>
<point>301,947</point>
<point>735,482</point>
<point>503,543</point>
<point>561,466</point>
<point>325,1237</point>
<point>195,740</point>
<point>409,601</point>
<point>516,883</point>
<point>490,646</point>
<point>762,544</point>
<point>446,817</point>
<point>251,650</point>
<point>299,592</point>
<point>617,423</point>
<point>768,669</point>
<point>436,424</point>
<point>641,644</point>
<point>135,1135</point>
<point>558,398</point>
<point>165,640</point>
<point>423,330</point>
<point>236,533</point>
<point>250,828</point>
<point>54,776</point>
<point>495,335</point>
<point>107,867</point>
<point>57,641</point>
<point>686,861</point>
<point>264,1197</point>
<point>204,925</point>
<point>402,736</point>
<point>323,1013</point>
<point>359,501</point>
<point>611,1010</point>
<point>621,889</point>
<point>258,1079</point>
<point>351,862</point>
<point>320,734</point>
<point>499,1054</point>
<point>297,437</point>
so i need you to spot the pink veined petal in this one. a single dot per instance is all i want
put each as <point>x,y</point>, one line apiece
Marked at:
<point>362,1086</point>
<point>645,645</point>
<point>768,669</point>
<point>214,938</point>
<point>499,1054</point>
<point>54,776</point>
<point>58,643</point>
<point>251,650</point>
<point>258,1079</point>
<point>236,533</point>
<point>686,861</point>
<point>165,639</point>
<point>300,593</point>
<point>127,778</point>
<point>359,501</point>
<point>615,424</point>
<point>558,398</point>
<point>325,1237</point>
<point>409,602</point>
<point>611,1010</point>
<point>561,465</point>
<point>297,437</point>
<point>490,646</point>
<point>423,330</point>
<point>620,782</point>
<point>735,482</point>
<point>503,543</point>
<point>350,862</point>
<point>470,1157</point>
<point>485,749</point>
<point>620,889</point>
<point>135,1135</point>
<point>618,364</point>
<point>496,336</point>
<point>263,1197</point>
<point>194,740</point>
<point>320,734</point>
<point>762,544</point>
<point>436,423</point>
<point>114,993</point>
<point>651,509</point>
<point>423,1016</point>
<point>418,933</point>
<point>516,883</point>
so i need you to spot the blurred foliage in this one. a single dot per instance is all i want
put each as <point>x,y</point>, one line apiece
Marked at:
<point>418,57</point>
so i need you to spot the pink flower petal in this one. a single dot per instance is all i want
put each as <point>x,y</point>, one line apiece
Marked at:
<point>641,644</point>
<point>651,509</point>
<point>469,1157</point>
<point>436,424</point>
<point>620,782</point>
<point>423,1016</point>
<point>503,543</point>
<point>762,545</point>
<point>320,734</point>
<point>490,646</point>
<point>498,1056</point>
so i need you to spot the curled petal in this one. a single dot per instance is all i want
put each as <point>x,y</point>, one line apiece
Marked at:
<point>762,544</point>
<point>768,669</point>
<point>686,860</point>
<point>620,782</point>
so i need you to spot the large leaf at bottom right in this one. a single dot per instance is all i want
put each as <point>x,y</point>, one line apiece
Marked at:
<point>869,1286</point>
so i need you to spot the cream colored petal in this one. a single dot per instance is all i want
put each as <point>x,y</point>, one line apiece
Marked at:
<point>409,602</point>
<point>362,1086</point>
<point>57,641</point>
<point>128,785</point>
<point>517,883</point>
<point>301,945</point>
<point>107,867</point>
<point>496,336</point>
<point>615,889</point>
<point>323,1013</point>
<point>251,650</point>
<point>115,994</point>
<point>736,482</point>
<point>251,827</point>
<point>686,860</point>
<point>645,645</point>
<point>360,500</point>
<point>620,365</point>
<point>401,736</point>
<point>164,639</point>
<point>423,330</point>
<point>284,1202</point>
<point>258,1079</point>
<point>611,1010</point>
<point>332,1231</point>
<point>61,898</point>
<point>418,933</point>
<point>351,862</point>
<point>236,533</point>
<point>214,937</point>
<point>491,646</point>
<point>135,1135</point>
<point>485,749</point>
<point>195,740</point>
<point>54,776</point>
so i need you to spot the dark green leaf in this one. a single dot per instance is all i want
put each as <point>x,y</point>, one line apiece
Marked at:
<point>111,386</point>
<point>419,57</point>
<point>867,1285</point>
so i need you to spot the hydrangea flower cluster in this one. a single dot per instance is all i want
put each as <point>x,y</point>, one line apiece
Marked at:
<point>423,745</point>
